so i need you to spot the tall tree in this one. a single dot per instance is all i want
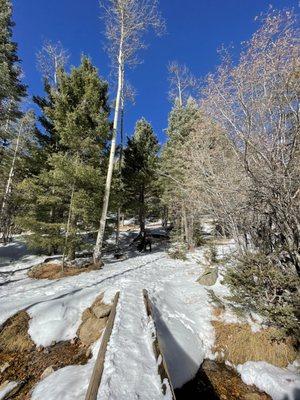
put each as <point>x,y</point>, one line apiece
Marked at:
<point>139,171</point>
<point>182,122</point>
<point>182,83</point>
<point>63,199</point>
<point>11,88</point>
<point>126,23</point>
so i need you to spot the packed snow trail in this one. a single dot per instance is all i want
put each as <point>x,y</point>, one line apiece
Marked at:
<point>130,346</point>
<point>182,312</point>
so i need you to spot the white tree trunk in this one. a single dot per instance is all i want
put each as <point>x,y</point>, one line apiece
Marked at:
<point>10,177</point>
<point>100,236</point>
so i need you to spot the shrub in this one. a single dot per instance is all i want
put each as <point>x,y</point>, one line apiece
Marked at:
<point>258,284</point>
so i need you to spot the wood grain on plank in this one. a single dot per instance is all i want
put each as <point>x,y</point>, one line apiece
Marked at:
<point>94,384</point>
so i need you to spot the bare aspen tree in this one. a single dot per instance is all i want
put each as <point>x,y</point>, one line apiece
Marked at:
<point>182,82</point>
<point>126,23</point>
<point>128,93</point>
<point>25,123</point>
<point>50,58</point>
<point>257,103</point>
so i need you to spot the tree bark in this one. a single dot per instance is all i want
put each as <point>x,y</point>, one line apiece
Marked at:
<point>100,235</point>
<point>9,183</point>
<point>142,211</point>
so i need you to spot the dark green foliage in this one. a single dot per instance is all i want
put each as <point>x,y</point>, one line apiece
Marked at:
<point>64,199</point>
<point>260,285</point>
<point>11,88</point>
<point>139,171</point>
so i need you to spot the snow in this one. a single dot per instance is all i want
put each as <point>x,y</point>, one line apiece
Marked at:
<point>56,306</point>
<point>131,369</point>
<point>5,389</point>
<point>182,313</point>
<point>68,383</point>
<point>279,383</point>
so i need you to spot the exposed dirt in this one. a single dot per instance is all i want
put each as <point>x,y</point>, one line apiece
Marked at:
<point>228,383</point>
<point>54,271</point>
<point>216,381</point>
<point>238,344</point>
<point>21,360</point>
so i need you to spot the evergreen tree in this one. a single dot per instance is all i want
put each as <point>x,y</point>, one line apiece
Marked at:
<point>182,121</point>
<point>11,88</point>
<point>64,199</point>
<point>15,168</point>
<point>139,171</point>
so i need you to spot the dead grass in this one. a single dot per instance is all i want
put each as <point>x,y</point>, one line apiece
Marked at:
<point>238,344</point>
<point>54,271</point>
<point>14,334</point>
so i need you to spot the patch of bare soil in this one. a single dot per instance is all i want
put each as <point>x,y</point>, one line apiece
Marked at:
<point>21,360</point>
<point>228,385</point>
<point>238,344</point>
<point>54,271</point>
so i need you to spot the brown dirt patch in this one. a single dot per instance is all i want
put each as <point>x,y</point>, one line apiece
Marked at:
<point>26,362</point>
<point>54,271</point>
<point>228,384</point>
<point>14,334</point>
<point>238,344</point>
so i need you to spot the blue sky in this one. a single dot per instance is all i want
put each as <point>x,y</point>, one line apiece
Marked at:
<point>195,30</point>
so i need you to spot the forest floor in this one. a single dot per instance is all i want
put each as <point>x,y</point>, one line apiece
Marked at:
<point>184,313</point>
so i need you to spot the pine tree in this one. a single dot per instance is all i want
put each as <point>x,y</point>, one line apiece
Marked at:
<point>139,171</point>
<point>11,88</point>
<point>64,199</point>
<point>182,121</point>
<point>15,168</point>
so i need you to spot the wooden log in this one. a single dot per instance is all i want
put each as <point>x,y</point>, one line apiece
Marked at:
<point>94,384</point>
<point>162,366</point>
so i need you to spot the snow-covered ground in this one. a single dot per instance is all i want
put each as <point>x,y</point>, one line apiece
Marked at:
<point>183,315</point>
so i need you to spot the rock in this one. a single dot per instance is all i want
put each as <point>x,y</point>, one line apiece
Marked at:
<point>87,313</point>
<point>101,310</point>
<point>209,277</point>
<point>48,371</point>
<point>88,353</point>
<point>53,343</point>
<point>4,367</point>
<point>91,329</point>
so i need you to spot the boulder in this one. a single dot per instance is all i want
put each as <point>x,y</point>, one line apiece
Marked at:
<point>209,277</point>
<point>101,310</point>
<point>90,330</point>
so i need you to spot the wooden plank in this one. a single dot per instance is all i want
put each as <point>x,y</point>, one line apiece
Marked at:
<point>162,366</point>
<point>94,384</point>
